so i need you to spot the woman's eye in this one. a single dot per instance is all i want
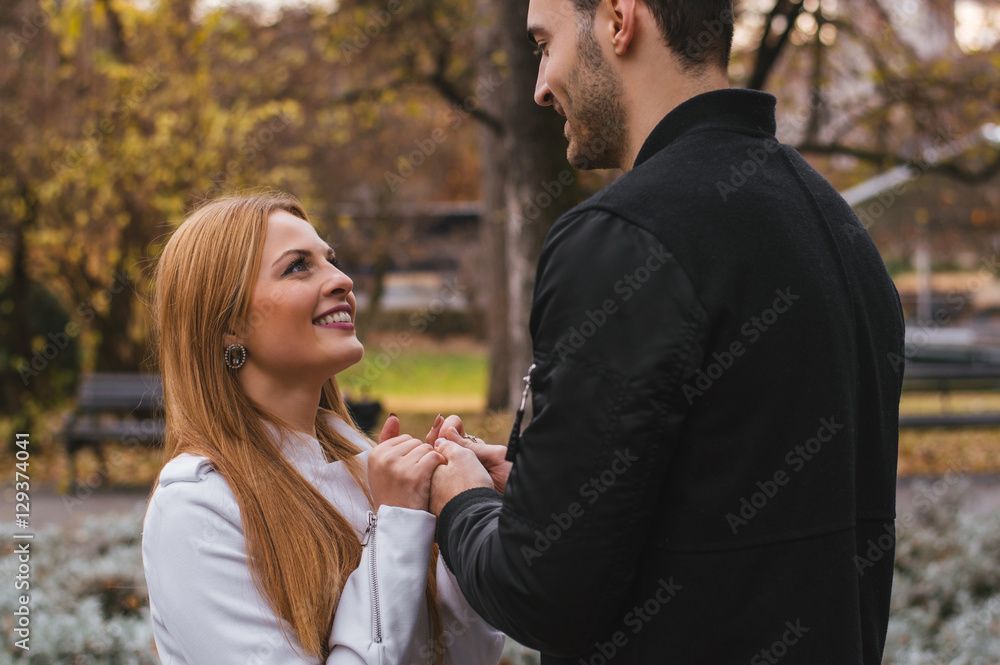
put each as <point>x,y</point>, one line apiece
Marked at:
<point>334,262</point>
<point>294,266</point>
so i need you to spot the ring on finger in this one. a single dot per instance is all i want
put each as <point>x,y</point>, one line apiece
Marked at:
<point>474,439</point>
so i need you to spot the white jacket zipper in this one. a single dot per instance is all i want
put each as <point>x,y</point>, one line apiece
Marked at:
<point>373,574</point>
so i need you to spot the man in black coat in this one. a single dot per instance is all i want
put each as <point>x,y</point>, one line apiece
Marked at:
<point>709,472</point>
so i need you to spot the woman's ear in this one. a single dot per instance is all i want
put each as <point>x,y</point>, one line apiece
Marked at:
<point>233,337</point>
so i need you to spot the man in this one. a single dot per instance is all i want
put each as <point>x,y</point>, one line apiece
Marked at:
<point>709,472</point>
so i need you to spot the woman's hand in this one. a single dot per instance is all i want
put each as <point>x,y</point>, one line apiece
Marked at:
<point>462,472</point>
<point>400,469</point>
<point>492,457</point>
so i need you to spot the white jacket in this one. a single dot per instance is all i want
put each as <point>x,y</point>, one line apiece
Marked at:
<point>206,610</point>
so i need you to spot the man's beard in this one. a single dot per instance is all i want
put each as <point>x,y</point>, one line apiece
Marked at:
<point>594,109</point>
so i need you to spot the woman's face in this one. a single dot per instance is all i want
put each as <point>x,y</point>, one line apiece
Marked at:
<point>301,325</point>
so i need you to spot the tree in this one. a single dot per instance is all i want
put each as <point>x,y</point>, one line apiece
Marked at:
<point>882,83</point>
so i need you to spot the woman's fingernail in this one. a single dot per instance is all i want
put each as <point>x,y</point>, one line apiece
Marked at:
<point>393,415</point>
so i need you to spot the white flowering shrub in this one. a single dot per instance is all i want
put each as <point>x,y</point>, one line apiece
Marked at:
<point>89,603</point>
<point>946,590</point>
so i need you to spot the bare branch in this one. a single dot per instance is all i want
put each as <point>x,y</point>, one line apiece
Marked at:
<point>951,168</point>
<point>770,49</point>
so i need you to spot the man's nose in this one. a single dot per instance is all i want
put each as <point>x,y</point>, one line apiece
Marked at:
<point>543,96</point>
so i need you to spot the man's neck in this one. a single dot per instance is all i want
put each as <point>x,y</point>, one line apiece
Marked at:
<point>649,108</point>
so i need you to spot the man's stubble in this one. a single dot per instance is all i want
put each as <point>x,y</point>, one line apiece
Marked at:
<point>595,110</point>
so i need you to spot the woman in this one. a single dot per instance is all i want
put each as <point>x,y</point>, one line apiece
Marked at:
<point>276,532</point>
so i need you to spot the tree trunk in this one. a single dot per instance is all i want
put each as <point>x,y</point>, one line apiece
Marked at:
<point>19,327</point>
<point>492,227</point>
<point>534,153</point>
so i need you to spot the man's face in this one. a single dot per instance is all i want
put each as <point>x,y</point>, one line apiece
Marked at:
<point>575,77</point>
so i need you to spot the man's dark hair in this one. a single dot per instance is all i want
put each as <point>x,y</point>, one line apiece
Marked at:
<point>700,32</point>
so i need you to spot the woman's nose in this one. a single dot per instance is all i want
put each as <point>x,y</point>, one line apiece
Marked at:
<point>337,281</point>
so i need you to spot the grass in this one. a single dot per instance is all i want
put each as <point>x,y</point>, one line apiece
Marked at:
<point>425,378</point>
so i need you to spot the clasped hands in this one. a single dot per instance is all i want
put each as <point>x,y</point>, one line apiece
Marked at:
<point>426,475</point>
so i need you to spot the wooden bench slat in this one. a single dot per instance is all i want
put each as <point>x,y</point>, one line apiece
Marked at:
<point>950,420</point>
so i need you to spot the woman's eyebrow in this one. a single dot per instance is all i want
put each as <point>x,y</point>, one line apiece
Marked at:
<point>301,253</point>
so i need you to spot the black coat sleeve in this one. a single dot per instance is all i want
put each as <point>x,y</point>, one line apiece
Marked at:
<point>616,329</point>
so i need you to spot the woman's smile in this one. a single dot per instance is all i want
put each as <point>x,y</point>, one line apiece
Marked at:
<point>338,317</point>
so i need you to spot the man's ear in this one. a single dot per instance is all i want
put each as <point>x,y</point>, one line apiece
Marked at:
<point>623,15</point>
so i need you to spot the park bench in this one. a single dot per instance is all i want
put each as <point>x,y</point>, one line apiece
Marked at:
<point>128,409</point>
<point>124,408</point>
<point>946,368</point>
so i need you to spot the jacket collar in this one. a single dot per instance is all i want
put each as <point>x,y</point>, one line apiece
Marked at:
<point>734,109</point>
<point>304,452</point>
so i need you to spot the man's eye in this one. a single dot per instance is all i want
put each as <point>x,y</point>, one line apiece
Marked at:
<point>539,50</point>
<point>294,266</point>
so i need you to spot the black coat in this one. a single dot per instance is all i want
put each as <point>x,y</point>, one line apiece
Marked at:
<point>709,472</point>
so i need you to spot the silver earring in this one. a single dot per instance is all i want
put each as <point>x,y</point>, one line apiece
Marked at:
<point>235,356</point>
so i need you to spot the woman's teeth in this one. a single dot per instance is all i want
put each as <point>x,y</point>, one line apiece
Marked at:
<point>336,317</point>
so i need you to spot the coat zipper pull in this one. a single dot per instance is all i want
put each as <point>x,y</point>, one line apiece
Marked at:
<point>515,431</point>
<point>368,530</point>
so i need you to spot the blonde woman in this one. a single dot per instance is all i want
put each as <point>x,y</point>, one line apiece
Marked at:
<point>277,532</point>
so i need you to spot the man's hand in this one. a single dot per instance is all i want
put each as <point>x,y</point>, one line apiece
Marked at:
<point>492,457</point>
<point>461,472</point>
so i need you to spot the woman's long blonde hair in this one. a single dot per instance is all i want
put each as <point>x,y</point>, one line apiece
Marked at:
<point>301,549</point>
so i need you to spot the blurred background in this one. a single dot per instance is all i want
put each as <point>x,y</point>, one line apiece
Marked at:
<point>408,129</point>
